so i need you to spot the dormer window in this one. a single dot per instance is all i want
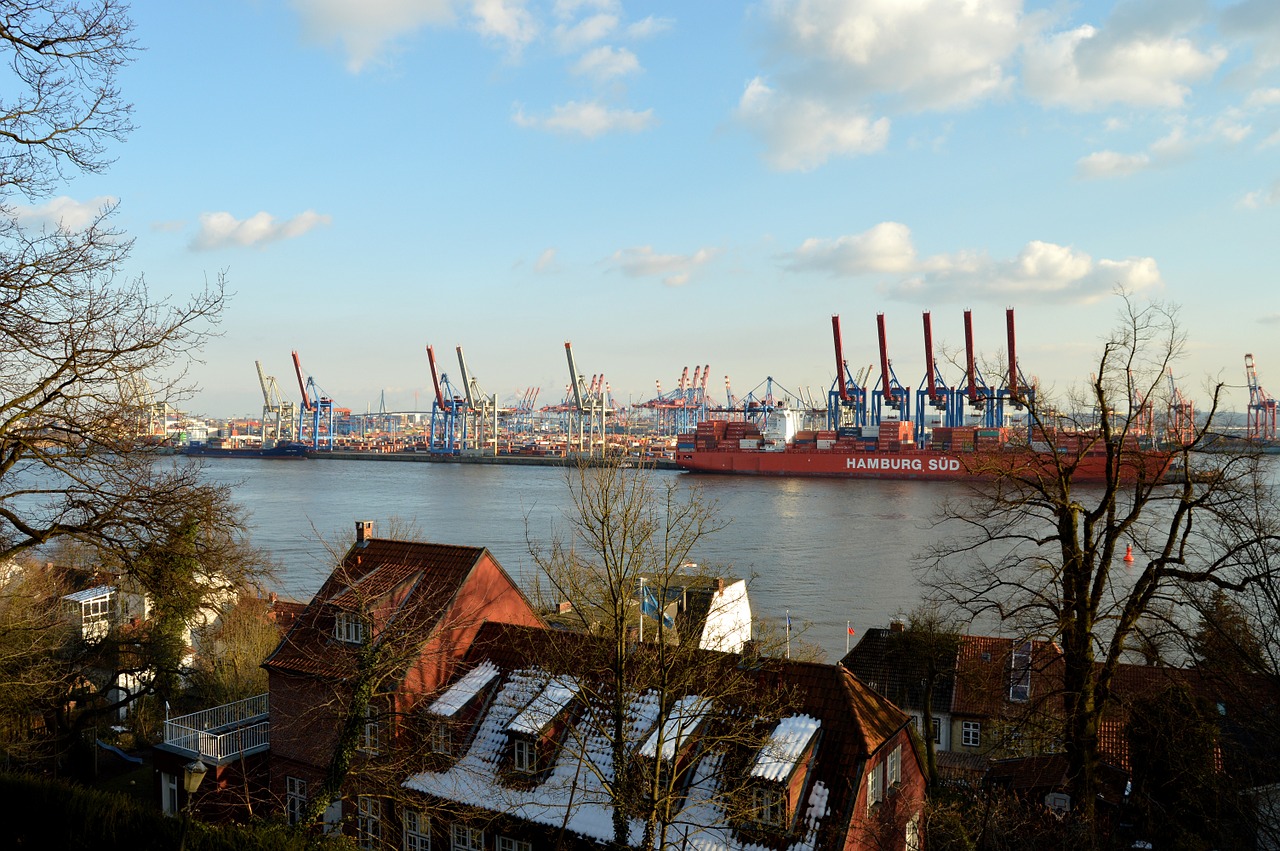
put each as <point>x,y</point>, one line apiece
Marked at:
<point>440,737</point>
<point>1020,673</point>
<point>348,627</point>
<point>454,708</point>
<point>769,805</point>
<point>524,756</point>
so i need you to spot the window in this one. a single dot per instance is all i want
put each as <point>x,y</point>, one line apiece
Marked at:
<point>506,843</point>
<point>1020,673</point>
<point>937,731</point>
<point>524,756</point>
<point>895,766</point>
<point>913,833</point>
<point>875,785</point>
<point>441,737</point>
<point>169,793</point>
<point>971,734</point>
<point>295,798</point>
<point>417,831</point>
<point>348,627</point>
<point>368,821</point>
<point>769,806</point>
<point>467,838</point>
<point>369,736</point>
<point>95,616</point>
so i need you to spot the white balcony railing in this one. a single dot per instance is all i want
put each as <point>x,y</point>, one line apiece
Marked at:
<point>223,732</point>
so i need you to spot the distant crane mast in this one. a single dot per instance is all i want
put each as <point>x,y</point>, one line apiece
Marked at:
<point>1180,425</point>
<point>1262,408</point>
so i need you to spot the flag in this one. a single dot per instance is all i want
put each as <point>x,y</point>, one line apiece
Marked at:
<point>649,606</point>
<point>851,631</point>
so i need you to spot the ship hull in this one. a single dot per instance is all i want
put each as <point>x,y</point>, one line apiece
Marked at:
<point>282,451</point>
<point>922,464</point>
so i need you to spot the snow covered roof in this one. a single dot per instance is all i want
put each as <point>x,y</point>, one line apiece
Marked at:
<point>460,693</point>
<point>97,592</point>
<point>786,745</point>
<point>685,716</point>
<point>553,698</point>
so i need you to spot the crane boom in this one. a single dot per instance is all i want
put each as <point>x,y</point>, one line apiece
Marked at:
<point>886,386</point>
<point>574,379</point>
<point>262,380</point>
<point>302,383</point>
<point>435,376</point>
<point>1013,357</point>
<point>840,364</point>
<point>466,379</point>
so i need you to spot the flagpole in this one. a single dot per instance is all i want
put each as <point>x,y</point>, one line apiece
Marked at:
<point>641,610</point>
<point>848,631</point>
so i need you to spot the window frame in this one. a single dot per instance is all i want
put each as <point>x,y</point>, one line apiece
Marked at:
<point>894,770</point>
<point>769,805</point>
<point>440,737</point>
<point>370,735</point>
<point>416,831</point>
<point>368,822</point>
<point>524,755</point>
<point>295,798</point>
<point>508,843</point>
<point>971,734</point>
<point>466,838</point>
<point>349,627</point>
<point>875,785</point>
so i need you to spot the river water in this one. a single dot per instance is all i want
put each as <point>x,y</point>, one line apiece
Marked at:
<point>827,551</point>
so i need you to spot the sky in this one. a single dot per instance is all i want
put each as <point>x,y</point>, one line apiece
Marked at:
<point>669,185</point>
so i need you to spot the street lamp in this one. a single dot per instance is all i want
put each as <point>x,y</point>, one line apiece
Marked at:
<point>192,773</point>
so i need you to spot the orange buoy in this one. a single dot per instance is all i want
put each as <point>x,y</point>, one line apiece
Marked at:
<point>1128,553</point>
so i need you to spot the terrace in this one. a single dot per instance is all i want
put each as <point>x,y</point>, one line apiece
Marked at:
<point>221,734</point>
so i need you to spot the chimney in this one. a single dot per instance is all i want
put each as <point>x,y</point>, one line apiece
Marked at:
<point>896,626</point>
<point>565,607</point>
<point>364,532</point>
<point>719,584</point>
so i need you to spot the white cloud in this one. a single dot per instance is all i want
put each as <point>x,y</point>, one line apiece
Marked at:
<point>1273,139</point>
<point>508,21</point>
<point>1041,271</point>
<point>801,134</point>
<point>674,269</point>
<point>1175,146</point>
<point>605,62</point>
<point>1262,197</point>
<point>578,34</point>
<point>546,261</point>
<point>64,212</point>
<point>587,118</point>
<point>648,27</point>
<point>1260,98</point>
<point>1087,68</point>
<point>928,53</point>
<point>222,230</point>
<point>1112,164</point>
<point>884,248</point>
<point>368,30</point>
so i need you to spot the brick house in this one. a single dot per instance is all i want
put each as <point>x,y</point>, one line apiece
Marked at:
<point>831,765</point>
<point>394,616</point>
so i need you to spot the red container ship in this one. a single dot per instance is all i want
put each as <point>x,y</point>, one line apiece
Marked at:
<point>888,451</point>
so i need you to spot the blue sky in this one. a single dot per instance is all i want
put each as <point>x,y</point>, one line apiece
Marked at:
<point>677,184</point>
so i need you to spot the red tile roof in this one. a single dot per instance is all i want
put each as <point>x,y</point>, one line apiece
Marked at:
<point>387,581</point>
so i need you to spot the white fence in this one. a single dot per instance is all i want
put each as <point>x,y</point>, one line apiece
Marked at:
<point>223,732</point>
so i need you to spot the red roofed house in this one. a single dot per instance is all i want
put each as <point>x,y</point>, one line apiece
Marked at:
<point>407,611</point>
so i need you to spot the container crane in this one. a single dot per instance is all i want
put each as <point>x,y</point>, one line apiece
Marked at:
<point>890,394</point>
<point>447,427</point>
<point>316,403</point>
<point>590,411</point>
<point>1262,408</point>
<point>847,399</point>
<point>1141,413</point>
<point>1180,425</point>
<point>980,396</point>
<point>277,413</point>
<point>480,414</point>
<point>933,393</point>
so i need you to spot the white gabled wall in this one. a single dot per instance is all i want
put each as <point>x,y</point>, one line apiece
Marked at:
<point>728,625</point>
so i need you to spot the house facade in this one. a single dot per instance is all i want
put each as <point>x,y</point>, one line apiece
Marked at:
<point>394,619</point>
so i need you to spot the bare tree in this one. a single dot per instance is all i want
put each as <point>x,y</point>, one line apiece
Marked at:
<point>1042,554</point>
<point>626,558</point>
